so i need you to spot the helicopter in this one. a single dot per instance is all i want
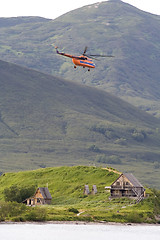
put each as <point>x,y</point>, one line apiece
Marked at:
<point>83,60</point>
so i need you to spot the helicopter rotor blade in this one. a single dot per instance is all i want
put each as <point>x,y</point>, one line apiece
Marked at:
<point>85,50</point>
<point>90,56</point>
<point>94,55</point>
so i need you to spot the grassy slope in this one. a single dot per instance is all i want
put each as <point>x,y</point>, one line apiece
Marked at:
<point>64,182</point>
<point>66,186</point>
<point>110,27</point>
<point>47,121</point>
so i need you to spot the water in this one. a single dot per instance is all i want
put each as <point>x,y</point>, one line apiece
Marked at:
<point>78,232</point>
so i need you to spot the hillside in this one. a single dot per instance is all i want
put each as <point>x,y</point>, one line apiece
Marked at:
<point>47,121</point>
<point>69,180</point>
<point>66,185</point>
<point>111,27</point>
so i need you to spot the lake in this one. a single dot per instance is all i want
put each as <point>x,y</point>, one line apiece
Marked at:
<point>50,231</point>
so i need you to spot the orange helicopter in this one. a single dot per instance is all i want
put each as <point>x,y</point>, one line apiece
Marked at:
<point>84,60</point>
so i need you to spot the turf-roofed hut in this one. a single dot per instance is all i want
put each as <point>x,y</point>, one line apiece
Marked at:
<point>126,185</point>
<point>94,190</point>
<point>86,190</point>
<point>42,196</point>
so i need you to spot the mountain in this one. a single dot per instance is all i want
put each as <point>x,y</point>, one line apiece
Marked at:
<point>47,121</point>
<point>111,27</point>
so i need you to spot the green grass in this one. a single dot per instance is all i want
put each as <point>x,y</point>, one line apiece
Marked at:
<point>64,182</point>
<point>66,186</point>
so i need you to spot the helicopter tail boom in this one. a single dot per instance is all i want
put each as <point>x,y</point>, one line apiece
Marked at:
<point>64,54</point>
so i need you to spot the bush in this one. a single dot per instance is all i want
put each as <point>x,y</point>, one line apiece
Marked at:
<point>36,214</point>
<point>156,200</point>
<point>134,218</point>
<point>74,210</point>
<point>156,165</point>
<point>18,219</point>
<point>121,141</point>
<point>139,136</point>
<point>94,148</point>
<point>99,129</point>
<point>11,209</point>
<point>15,194</point>
<point>113,159</point>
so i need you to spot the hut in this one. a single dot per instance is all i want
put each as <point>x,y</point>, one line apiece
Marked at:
<point>42,196</point>
<point>86,190</point>
<point>126,185</point>
<point>94,190</point>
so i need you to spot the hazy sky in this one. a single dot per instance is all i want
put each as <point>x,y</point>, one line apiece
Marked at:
<point>55,8</point>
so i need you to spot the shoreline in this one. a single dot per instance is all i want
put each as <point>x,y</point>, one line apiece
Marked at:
<point>82,223</point>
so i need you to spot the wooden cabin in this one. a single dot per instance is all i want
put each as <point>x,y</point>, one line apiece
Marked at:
<point>42,196</point>
<point>126,185</point>
<point>86,190</point>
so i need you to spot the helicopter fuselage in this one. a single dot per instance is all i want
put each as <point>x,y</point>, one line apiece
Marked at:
<point>83,62</point>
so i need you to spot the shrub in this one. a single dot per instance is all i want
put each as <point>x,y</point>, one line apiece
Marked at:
<point>74,210</point>
<point>36,214</point>
<point>94,148</point>
<point>134,217</point>
<point>99,129</point>
<point>156,200</point>
<point>113,159</point>
<point>121,141</point>
<point>156,165</point>
<point>18,219</point>
<point>11,209</point>
<point>139,135</point>
<point>15,194</point>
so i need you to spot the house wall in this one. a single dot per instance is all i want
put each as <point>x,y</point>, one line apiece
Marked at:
<point>38,194</point>
<point>30,201</point>
<point>122,187</point>
<point>116,193</point>
<point>38,198</point>
<point>122,182</point>
<point>37,201</point>
<point>122,193</point>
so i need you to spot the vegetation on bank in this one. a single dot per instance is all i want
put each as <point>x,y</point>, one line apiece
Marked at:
<point>66,185</point>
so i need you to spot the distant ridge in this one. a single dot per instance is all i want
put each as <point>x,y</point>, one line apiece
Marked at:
<point>32,87</point>
<point>111,27</point>
<point>47,121</point>
<point>15,21</point>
